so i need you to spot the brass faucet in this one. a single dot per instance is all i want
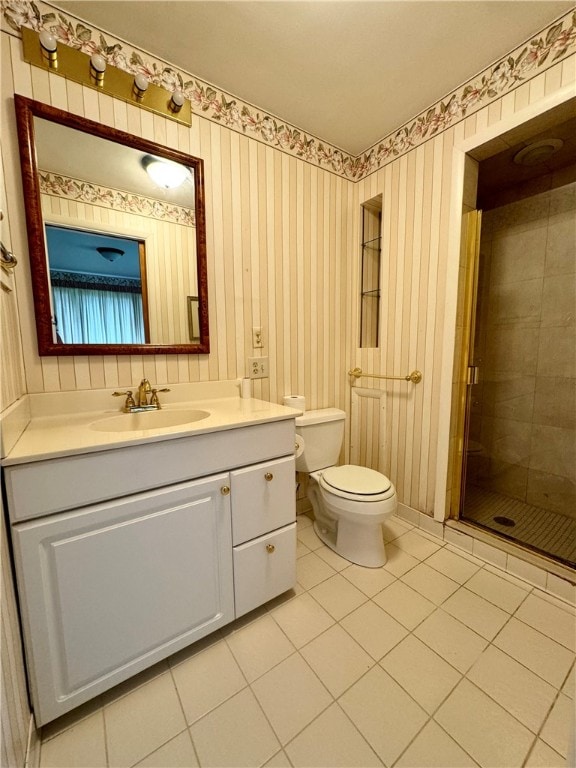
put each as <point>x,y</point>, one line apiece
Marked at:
<point>141,403</point>
<point>143,391</point>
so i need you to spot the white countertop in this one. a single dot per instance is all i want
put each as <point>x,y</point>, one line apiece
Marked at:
<point>49,437</point>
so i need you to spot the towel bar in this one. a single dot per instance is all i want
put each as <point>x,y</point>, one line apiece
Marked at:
<point>415,377</point>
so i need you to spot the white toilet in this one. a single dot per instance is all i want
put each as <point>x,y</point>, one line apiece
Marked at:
<point>350,503</point>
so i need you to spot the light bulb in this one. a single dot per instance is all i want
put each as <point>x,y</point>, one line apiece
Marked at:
<point>140,86</point>
<point>177,101</point>
<point>97,68</point>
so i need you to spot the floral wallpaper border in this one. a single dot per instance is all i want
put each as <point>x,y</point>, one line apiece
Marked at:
<point>554,43</point>
<point>87,192</point>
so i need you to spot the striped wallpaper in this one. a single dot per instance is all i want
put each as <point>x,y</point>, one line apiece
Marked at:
<point>283,254</point>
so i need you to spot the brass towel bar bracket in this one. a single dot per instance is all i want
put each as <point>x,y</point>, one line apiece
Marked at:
<point>415,377</point>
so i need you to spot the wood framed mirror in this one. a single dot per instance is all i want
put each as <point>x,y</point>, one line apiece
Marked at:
<point>91,188</point>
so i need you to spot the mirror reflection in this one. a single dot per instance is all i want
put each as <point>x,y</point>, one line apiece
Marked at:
<point>117,240</point>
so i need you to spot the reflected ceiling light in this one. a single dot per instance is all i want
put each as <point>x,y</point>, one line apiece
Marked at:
<point>140,86</point>
<point>97,69</point>
<point>110,254</point>
<point>538,152</point>
<point>48,46</point>
<point>165,173</point>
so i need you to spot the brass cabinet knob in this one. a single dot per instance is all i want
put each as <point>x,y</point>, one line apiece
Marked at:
<point>225,490</point>
<point>269,476</point>
<point>270,548</point>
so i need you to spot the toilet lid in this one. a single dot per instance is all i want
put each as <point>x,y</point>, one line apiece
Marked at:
<point>360,481</point>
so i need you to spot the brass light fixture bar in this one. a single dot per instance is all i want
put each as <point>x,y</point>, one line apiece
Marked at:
<point>79,67</point>
<point>415,377</point>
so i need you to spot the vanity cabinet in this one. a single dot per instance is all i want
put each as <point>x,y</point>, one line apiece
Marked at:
<point>263,532</point>
<point>109,588</point>
<point>118,586</point>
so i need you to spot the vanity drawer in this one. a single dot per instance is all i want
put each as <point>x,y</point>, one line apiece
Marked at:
<point>264,568</point>
<point>263,498</point>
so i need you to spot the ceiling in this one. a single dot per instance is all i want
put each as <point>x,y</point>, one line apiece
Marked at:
<point>348,72</point>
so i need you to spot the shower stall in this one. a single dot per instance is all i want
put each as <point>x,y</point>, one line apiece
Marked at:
<point>519,451</point>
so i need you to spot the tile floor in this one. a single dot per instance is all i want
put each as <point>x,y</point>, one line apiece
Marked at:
<point>436,659</point>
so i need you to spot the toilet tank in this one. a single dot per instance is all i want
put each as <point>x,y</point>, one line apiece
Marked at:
<point>322,431</point>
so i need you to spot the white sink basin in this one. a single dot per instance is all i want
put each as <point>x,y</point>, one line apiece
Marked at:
<point>136,422</point>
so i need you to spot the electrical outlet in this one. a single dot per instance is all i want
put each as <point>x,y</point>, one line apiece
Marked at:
<point>257,340</point>
<point>258,367</point>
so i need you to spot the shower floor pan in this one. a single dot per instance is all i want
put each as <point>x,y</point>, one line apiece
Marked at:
<point>541,530</point>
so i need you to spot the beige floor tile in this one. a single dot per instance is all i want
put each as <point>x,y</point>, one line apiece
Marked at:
<point>303,521</point>
<point>302,619</point>
<point>569,687</point>
<point>483,728</point>
<point>483,617</point>
<point>142,721</point>
<point>337,659</point>
<point>301,549</point>
<point>559,726</point>
<point>374,629</point>
<point>393,528</point>
<point>497,590</point>
<point>398,561</point>
<point>433,748</point>
<point>309,538</point>
<point>385,715</point>
<point>518,690</point>
<point>430,583</point>
<point>416,544</point>
<point>206,680</point>
<point>198,646</point>
<point>333,560</point>
<point>546,658</point>
<point>369,580</point>
<point>83,745</point>
<point>421,672</point>
<point>331,740</point>
<point>291,696</point>
<point>235,734</point>
<point>338,596</point>
<point>259,647</point>
<point>279,760</point>
<point>543,756</point>
<point>311,570</point>
<point>452,565</point>
<point>404,604</point>
<point>547,618</point>
<point>177,753</point>
<point>451,640</point>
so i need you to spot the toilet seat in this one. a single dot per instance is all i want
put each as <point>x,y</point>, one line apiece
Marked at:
<point>356,483</point>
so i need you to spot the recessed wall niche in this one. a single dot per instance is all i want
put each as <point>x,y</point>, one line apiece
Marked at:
<point>370,255</point>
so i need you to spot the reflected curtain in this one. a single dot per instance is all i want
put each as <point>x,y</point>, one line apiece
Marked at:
<point>98,317</point>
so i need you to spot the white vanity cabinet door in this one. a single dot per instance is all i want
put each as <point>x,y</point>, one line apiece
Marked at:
<point>110,589</point>
<point>264,568</point>
<point>263,498</point>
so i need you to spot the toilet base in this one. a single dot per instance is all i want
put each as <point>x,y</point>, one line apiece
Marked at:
<point>360,544</point>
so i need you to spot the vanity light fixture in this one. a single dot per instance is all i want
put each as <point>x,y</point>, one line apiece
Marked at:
<point>44,49</point>
<point>177,101</point>
<point>110,254</point>
<point>97,69</point>
<point>140,86</point>
<point>48,47</point>
<point>165,173</point>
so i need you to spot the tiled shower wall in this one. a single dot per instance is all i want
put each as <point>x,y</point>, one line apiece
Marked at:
<point>524,412</point>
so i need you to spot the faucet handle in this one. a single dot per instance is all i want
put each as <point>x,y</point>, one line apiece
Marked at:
<point>129,399</point>
<point>154,399</point>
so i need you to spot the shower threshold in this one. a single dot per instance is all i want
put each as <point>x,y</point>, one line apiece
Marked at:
<point>540,530</point>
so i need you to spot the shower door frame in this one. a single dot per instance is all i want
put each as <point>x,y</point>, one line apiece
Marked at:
<point>445,464</point>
